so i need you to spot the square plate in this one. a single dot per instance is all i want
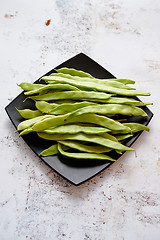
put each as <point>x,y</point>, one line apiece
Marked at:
<point>75,171</point>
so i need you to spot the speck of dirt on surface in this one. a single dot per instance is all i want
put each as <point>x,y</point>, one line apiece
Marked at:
<point>48,22</point>
<point>10,15</point>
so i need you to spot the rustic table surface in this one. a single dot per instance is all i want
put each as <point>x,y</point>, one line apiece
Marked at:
<point>123,201</point>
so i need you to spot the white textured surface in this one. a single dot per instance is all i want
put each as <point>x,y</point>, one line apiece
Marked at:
<point>123,202</point>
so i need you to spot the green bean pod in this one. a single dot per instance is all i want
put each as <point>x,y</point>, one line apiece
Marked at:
<point>73,129</point>
<point>134,127</point>
<point>121,80</point>
<point>121,137</point>
<point>69,107</point>
<point>95,85</point>
<point>54,121</point>
<point>66,75</point>
<point>30,86</point>
<point>52,150</point>
<point>73,72</point>
<point>75,95</point>
<point>52,87</point>
<point>45,107</point>
<point>84,137</point>
<point>109,109</point>
<point>109,136</point>
<point>87,82</point>
<point>105,82</point>
<point>84,147</point>
<point>84,155</point>
<point>128,101</point>
<point>30,122</point>
<point>26,131</point>
<point>28,113</point>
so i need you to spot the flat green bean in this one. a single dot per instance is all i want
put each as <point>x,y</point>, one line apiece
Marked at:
<point>73,72</point>
<point>52,150</point>
<point>26,131</point>
<point>85,82</point>
<point>84,147</point>
<point>60,106</point>
<point>134,127</point>
<point>84,155</point>
<point>109,136</point>
<point>73,129</point>
<point>67,72</point>
<point>30,122</point>
<point>121,137</point>
<point>92,85</point>
<point>84,137</point>
<point>124,81</point>
<point>111,82</point>
<point>128,101</point>
<point>30,86</point>
<point>86,118</point>
<point>28,113</point>
<point>109,109</point>
<point>69,107</point>
<point>52,87</point>
<point>75,95</point>
<point>45,107</point>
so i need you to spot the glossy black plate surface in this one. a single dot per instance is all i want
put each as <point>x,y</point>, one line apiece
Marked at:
<point>75,171</point>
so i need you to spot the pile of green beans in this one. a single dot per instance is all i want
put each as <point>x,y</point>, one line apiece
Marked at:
<point>85,117</point>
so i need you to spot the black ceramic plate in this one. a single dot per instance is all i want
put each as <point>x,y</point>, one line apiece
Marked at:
<point>75,171</point>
